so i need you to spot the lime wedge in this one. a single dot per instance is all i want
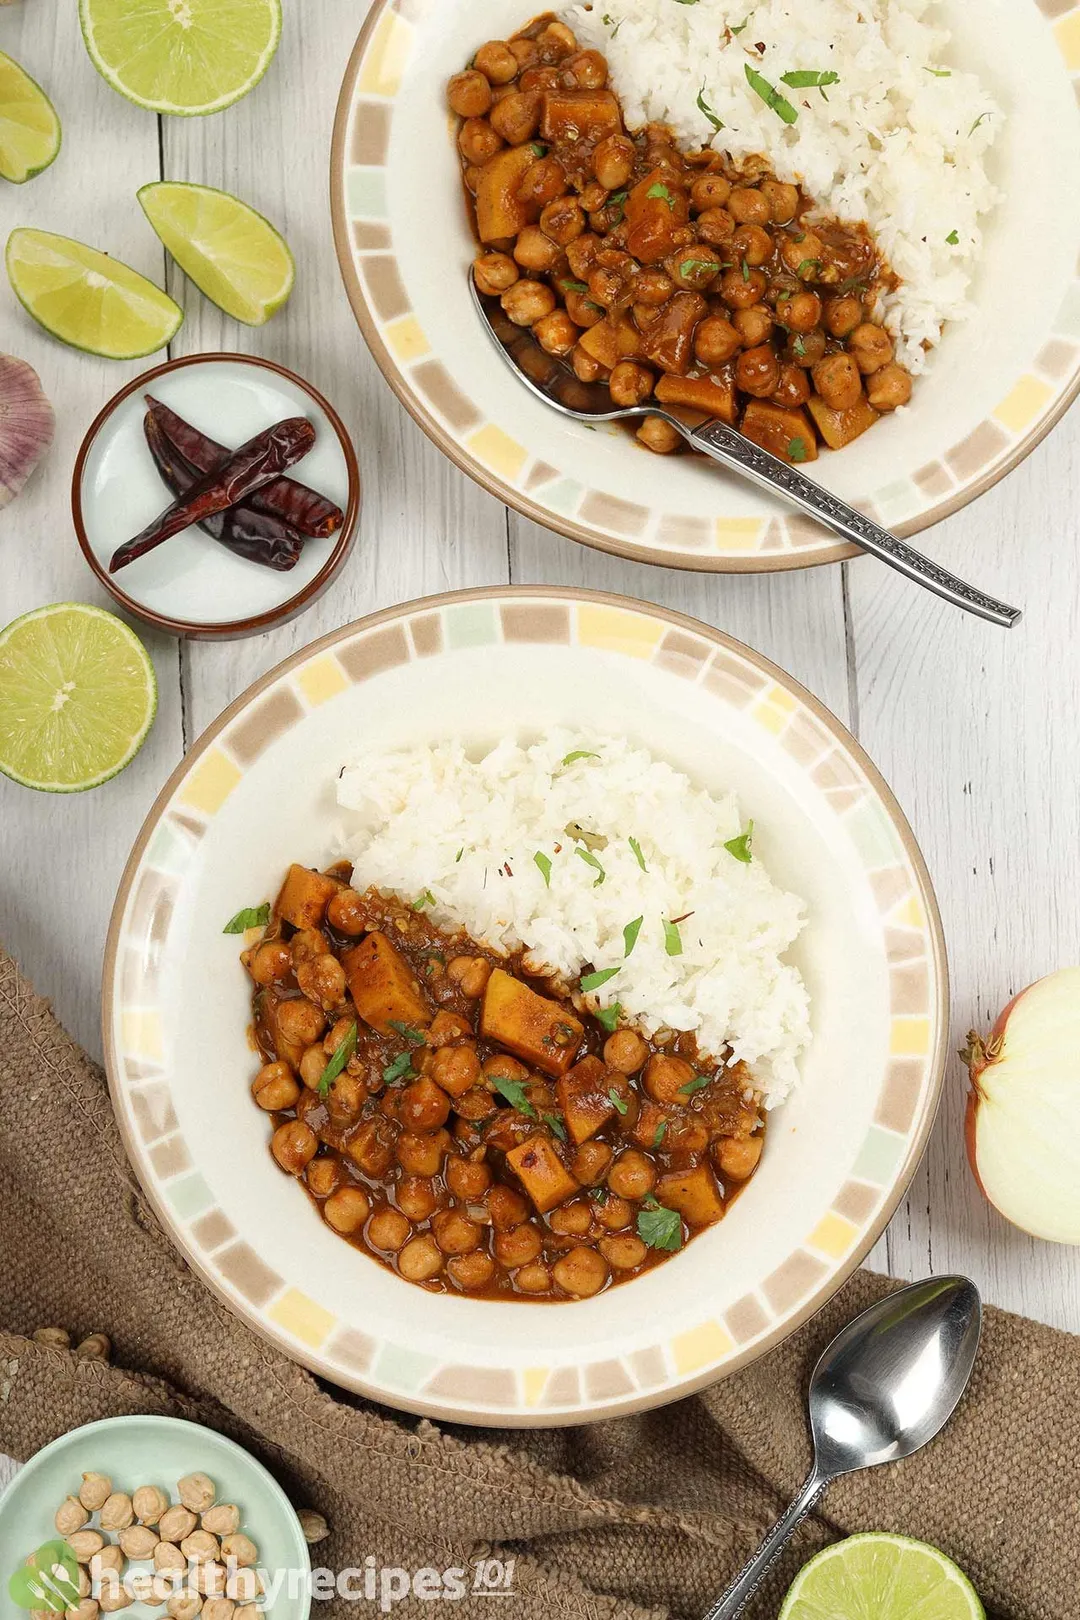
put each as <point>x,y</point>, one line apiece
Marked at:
<point>880,1577</point>
<point>181,56</point>
<point>77,697</point>
<point>29,127</point>
<point>87,299</point>
<point>230,252</point>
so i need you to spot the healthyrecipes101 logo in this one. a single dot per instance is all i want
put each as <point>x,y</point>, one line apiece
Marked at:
<point>48,1580</point>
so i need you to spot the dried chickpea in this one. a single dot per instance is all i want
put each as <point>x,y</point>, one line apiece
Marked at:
<point>294,1145</point>
<point>70,1516</point>
<point>245,1586</point>
<point>113,1597</point>
<point>210,1578</point>
<point>149,1503</point>
<point>270,962</point>
<point>184,1605</point>
<point>110,1560</point>
<point>86,1609</point>
<point>241,1549</point>
<point>248,1611</point>
<point>138,1541</point>
<point>469,94</point>
<point>168,1557</point>
<point>200,1547</point>
<point>85,1544</point>
<point>117,1513</point>
<point>53,1338</point>
<point>496,61</point>
<point>176,1523</point>
<point>95,1491</point>
<point>219,1608</point>
<point>140,1588</point>
<point>420,1260</point>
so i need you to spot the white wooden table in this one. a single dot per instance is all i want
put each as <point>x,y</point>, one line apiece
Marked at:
<point>975,728</point>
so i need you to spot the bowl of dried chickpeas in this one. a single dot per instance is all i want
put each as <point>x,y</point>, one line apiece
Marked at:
<point>153,1516</point>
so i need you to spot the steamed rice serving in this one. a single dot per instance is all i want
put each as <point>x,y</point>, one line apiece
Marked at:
<point>559,846</point>
<point>899,138</point>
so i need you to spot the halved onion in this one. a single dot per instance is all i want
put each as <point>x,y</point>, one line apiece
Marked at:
<point>27,425</point>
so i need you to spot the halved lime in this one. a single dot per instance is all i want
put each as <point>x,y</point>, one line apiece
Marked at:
<point>29,127</point>
<point>77,697</point>
<point>181,56</point>
<point>231,253</point>
<point>87,299</point>
<point>881,1577</point>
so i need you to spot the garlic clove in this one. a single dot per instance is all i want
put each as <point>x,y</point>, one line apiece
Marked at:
<point>27,424</point>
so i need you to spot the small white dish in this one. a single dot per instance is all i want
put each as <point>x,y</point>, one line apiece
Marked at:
<point>192,586</point>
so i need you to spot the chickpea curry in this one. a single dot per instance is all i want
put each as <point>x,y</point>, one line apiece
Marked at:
<point>683,277</point>
<point>469,1124</point>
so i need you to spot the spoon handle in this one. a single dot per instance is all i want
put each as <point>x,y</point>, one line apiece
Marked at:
<point>740,454</point>
<point>755,1570</point>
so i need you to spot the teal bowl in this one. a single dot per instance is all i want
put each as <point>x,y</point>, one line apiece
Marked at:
<point>145,1450</point>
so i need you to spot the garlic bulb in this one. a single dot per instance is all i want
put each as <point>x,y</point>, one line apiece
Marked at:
<point>26,425</point>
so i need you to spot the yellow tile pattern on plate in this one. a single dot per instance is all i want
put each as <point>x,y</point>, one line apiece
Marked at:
<point>140,1034</point>
<point>387,54</point>
<point>1027,401</point>
<point>498,451</point>
<point>533,1380</point>
<point>1067,34</point>
<point>910,1037</point>
<point>833,1235</point>
<point>322,680</point>
<point>701,1347</point>
<point>775,708</point>
<point>301,1317</point>
<point>739,534</point>
<point>211,782</point>
<point>618,630</point>
<point>911,914</point>
<point>407,338</point>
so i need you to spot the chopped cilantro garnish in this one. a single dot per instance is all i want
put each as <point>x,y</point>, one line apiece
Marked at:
<point>953,238</point>
<point>545,866</point>
<point>692,268</point>
<point>593,981</point>
<point>981,118</point>
<point>630,934</point>
<point>415,1037</point>
<point>745,271</point>
<point>426,899</point>
<point>698,1083</point>
<point>578,287</point>
<point>770,95</point>
<point>539,149</point>
<point>741,847</point>
<point>514,1092</point>
<point>459,854</point>
<point>660,1228</point>
<point>797,450</point>
<point>400,1069</point>
<point>250,917</point>
<point>703,107</point>
<point>578,753</point>
<point>808,264</point>
<point>638,856</point>
<point>799,346</point>
<point>556,1125</point>
<point>342,1053</point>
<point>659,1133</point>
<point>609,1017</point>
<point>661,191</point>
<point>801,79</point>
<point>590,860</point>
<point>619,1104</point>
<point>672,939</point>
<point>940,73</point>
<point>741,26</point>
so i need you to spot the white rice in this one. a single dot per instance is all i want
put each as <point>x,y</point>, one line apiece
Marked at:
<point>900,142</point>
<point>463,833</point>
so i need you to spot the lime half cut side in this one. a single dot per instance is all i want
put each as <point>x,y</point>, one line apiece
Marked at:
<point>29,127</point>
<point>77,697</point>
<point>881,1577</point>
<point>85,298</point>
<point>184,57</point>
<point>232,254</point>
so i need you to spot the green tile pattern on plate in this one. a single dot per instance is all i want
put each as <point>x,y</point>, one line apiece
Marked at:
<point>897,500</point>
<point>1069,314</point>
<point>473,624</point>
<point>404,1369</point>
<point>564,495</point>
<point>873,835</point>
<point>189,1197</point>
<point>169,850</point>
<point>365,192</point>
<point>879,1155</point>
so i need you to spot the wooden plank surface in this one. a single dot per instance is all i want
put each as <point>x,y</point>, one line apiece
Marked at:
<point>975,729</point>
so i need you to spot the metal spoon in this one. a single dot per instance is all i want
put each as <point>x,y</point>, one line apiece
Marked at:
<point>884,1387</point>
<point>591,403</point>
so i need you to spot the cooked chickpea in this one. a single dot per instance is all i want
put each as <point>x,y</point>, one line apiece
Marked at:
<point>752,243</point>
<point>525,51</point>
<point>563,221</point>
<point>630,384</point>
<point>496,61</point>
<point>388,1229</point>
<point>478,142</point>
<point>836,378</point>
<point>754,325</point>
<point>715,342</point>
<point>591,1162</point>
<point>507,1208</point>
<point>467,1179</point>
<point>519,1247</point>
<point>85,1543</point>
<point>581,254</point>
<point>471,973</point>
<point>138,1541</point>
<point>782,199</point>
<point>632,1175</point>
<point>625,1051</point>
<point>799,313</point>
<point>70,1516</point>
<point>294,1145</point>
<point>423,1106</point>
<point>535,252</point>
<point>275,1087</point>
<point>842,316</point>
<point>527,302</point>
<point>542,182</point>
<point>653,288</point>
<point>346,1210</point>
<point>533,1279</point>
<point>471,1271</point>
<point>556,333</point>
<point>585,71</point>
<point>95,1490</point>
<point>300,1021</point>
<point>556,42</point>
<point>421,1153</point>
<point>312,1066</point>
<point>586,369</point>
<point>709,191</point>
<point>748,206</point>
<point>573,1219</point>
<point>323,1175</point>
<point>757,371</point>
<point>802,252</point>
<point>659,436</point>
<point>740,288</point>
<point>805,348</point>
<point>613,162</point>
<point>416,1197</point>
<point>583,310</point>
<point>582,1272</point>
<point>420,1260</point>
<point>624,1253</point>
<point>665,1076</point>
<point>516,117</point>
<point>871,347</point>
<point>222,1519</point>
<point>469,94</point>
<point>456,1069</point>
<point>447,1026</point>
<point>737,1156</point>
<point>889,388</point>
<point>793,389</point>
<point>271,962</point>
<point>323,981</point>
<point>455,1233</point>
<point>504,1067</point>
<point>716,227</point>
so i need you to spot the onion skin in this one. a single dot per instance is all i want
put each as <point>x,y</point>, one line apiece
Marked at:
<point>27,425</point>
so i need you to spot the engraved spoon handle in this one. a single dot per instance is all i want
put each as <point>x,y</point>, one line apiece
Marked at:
<point>754,1571</point>
<point>741,455</point>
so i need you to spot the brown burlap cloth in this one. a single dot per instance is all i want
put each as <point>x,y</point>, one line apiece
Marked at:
<point>635,1517</point>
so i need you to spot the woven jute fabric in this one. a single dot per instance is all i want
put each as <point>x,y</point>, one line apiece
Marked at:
<point>636,1517</point>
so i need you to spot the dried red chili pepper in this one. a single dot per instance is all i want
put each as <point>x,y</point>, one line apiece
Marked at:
<point>254,464</point>
<point>249,534</point>
<point>294,503</point>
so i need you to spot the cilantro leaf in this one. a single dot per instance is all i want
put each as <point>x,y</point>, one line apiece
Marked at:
<point>672,939</point>
<point>400,1069</point>
<point>619,1104</point>
<point>953,238</point>
<point>609,1017</point>
<point>514,1092</point>
<point>742,846</point>
<point>801,79</point>
<point>415,1037</point>
<point>545,867</point>
<point>593,981</point>
<point>590,860</point>
<point>630,934</point>
<point>579,753</point>
<point>425,899</point>
<point>797,449</point>
<point>638,856</point>
<point>659,1133</point>
<point>249,917</point>
<point>342,1053</point>
<point>660,1228</point>
<point>770,95</point>
<point>703,107</point>
<point>661,191</point>
<point>556,1125</point>
<point>981,119</point>
<point>698,1083</point>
